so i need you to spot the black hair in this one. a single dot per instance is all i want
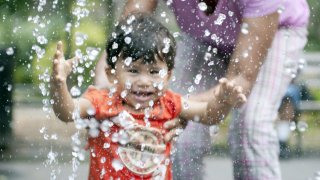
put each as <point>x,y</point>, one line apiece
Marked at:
<point>141,36</point>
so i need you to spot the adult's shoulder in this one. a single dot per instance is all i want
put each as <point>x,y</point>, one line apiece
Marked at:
<point>258,8</point>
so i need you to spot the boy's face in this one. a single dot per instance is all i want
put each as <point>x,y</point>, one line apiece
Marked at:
<point>140,84</point>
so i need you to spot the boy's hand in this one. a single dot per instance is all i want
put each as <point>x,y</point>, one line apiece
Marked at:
<point>175,128</point>
<point>61,67</point>
<point>228,92</point>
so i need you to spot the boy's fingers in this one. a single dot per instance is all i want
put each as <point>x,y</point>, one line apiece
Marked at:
<point>239,89</point>
<point>223,80</point>
<point>55,64</point>
<point>73,61</point>
<point>172,134</point>
<point>242,98</point>
<point>174,123</point>
<point>60,50</point>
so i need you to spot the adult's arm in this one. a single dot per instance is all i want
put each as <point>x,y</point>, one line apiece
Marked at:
<point>249,54</point>
<point>251,50</point>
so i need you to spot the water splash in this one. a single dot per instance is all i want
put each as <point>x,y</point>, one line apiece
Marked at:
<point>245,28</point>
<point>220,19</point>
<point>117,164</point>
<point>10,51</point>
<point>198,79</point>
<point>202,6</point>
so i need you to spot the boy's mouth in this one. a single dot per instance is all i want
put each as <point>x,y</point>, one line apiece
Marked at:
<point>142,96</point>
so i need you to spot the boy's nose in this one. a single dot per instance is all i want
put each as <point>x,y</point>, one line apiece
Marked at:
<point>144,81</point>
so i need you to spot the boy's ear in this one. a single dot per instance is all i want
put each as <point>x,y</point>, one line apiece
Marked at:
<point>111,76</point>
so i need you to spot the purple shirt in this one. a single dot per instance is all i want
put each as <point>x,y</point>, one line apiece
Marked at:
<point>222,27</point>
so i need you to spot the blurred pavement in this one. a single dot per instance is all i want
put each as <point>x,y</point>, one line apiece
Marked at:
<point>26,158</point>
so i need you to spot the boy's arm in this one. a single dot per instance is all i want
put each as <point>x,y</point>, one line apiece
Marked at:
<point>64,105</point>
<point>225,96</point>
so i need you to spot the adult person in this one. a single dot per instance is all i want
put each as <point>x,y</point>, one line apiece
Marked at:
<point>254,43</point>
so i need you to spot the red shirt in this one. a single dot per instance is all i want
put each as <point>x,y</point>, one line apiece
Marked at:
<point>110,160</point>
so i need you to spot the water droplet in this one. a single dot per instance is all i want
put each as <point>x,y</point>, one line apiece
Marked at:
<point>301,63</point>
<point>130,19</point>
<point>123,137</point>
<point>206,33</point>
<point>51,157</point>
<point>198,79</point>
<point>117,164</point>
<point>176,34</point>
<point>9,88</point>
<point>1,68</point>
<point>151,103</point>
<point>191,89</point>
<point>169,2</point>
<point>245,54</point>
<point>127,40</point>
<point>43,129</point>
<point>281,9</point>
<point>115,45</point>
<point>106,145</point>
<point>214,130</point>
<point>68,27</point>
<point>10,51</point>
<point>54,136</point>
<point>166,42</point>
<point>167,162</point>
<point>42,40</point>
<point>244,28</point>
<point>207,56</point>
<point>160,86</point>
<point>220,19</point>
<point>156,160</point>
<point>302,126</point>
<point>137,106</point>
<point>128,61</point>
<point>179,131</point>
<point>165,49</point>
<point>124,93</point>
<point>292,126</point>
<point>115,137</point>
<point>185,105</point>
<point>163,73</point>
<point>92,52</point>
<point>103,160</point>
<point>75,91</point>
<point>81,2</point>
<point>202,6</point>
<point>94,132</point>
<point>230,13</point>
<point>214,50</point>
<point>80,38</point>
<point>128,84</point>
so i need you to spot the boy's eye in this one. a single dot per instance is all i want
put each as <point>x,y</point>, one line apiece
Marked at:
<point>133,71</point>
<point>154,72</point>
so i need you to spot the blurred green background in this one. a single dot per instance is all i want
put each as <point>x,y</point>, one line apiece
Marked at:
<point>24,23</point>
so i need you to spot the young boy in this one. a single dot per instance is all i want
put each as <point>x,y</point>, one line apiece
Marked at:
<point>130,143</point>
